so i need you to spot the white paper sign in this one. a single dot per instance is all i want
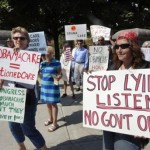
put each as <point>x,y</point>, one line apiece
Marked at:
<point>37,42</point>
<point>74,32</point>
<point>19,66</point>
<point>97,31</point>
<point>118,101</point>
<point>12,104</point>
<point>98,58</point>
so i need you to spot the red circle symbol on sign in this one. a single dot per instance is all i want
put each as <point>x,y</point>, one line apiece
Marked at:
<point>73,28</point>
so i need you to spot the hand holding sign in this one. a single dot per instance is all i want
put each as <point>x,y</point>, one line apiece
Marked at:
<point>1,83</point>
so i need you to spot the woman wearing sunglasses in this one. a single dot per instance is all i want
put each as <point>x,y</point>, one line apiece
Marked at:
<point>21,40</point>
<point>127,55</point>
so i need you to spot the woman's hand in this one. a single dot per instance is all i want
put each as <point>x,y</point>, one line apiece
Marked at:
<point>58,77</point>
<point>1,83</point>
<point>16,49</point>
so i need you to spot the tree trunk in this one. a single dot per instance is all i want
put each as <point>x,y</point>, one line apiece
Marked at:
<point>56,43</point>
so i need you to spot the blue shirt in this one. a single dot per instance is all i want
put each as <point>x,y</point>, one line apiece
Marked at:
<point>81,56</point>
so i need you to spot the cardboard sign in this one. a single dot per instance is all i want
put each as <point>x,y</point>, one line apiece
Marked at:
<point>37,42</point>
<point>74,32</point>
<point>12,104</point>
<point>19,66</point>
<point>118,101</point>
<point>98,58</point>
<point>97,31</point>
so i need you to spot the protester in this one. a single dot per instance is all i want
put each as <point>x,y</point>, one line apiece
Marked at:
<point>101,41</point>
<point>43,57</point>
<point>67,69</point>
<point>81,59</point>
<point>21,40</point>
<point>127,55</point>
<point>50,90</point>
<point>9,43</point>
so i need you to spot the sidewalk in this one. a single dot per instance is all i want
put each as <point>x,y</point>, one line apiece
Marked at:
<point>69,136</point>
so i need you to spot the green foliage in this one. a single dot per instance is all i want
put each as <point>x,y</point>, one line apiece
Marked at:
<point>51,15</point>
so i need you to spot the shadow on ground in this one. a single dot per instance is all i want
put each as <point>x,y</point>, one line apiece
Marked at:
<point>93,142</point>
<point>68,100</point>
<point>74,118</point>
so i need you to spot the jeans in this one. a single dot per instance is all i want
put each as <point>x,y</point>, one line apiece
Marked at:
<point>117,141</point>
<point>27,128</point>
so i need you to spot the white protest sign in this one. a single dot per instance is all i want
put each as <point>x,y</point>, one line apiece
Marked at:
<point>97,31</point>
<point>146,52</point>
<point>74,32</point>
<point>37,42</point>
<point>19,66</point>
<point>98,58</point>
<point>118,101</point>
<point>12,104</point>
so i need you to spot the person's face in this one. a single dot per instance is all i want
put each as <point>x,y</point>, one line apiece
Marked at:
<point>123,50</point>
<point>49,55</point>
<point>20,41</point>
<point>79,44</point>
<point>43,57</point>
<point>10,44</point>
<point>101,41</point>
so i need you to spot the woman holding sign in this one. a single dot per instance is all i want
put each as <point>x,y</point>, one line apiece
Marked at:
<point>127,55</point>
<point>21,40</point>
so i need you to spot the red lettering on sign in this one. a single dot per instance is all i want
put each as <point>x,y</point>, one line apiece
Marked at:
<point>91,117</point>
<point>115,120</point>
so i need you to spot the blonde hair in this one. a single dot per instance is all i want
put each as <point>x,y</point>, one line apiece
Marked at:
<point>50,49</point>
<point>20,30</point>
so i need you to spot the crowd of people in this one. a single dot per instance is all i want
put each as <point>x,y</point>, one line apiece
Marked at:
<point>125,53</point>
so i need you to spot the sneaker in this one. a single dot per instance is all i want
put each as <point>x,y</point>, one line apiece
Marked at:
<point>64,95</point>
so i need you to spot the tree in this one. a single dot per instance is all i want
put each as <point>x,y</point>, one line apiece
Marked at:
<point>47,15</point>
<point>50,16</point>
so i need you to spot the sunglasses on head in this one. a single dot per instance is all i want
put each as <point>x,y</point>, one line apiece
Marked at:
<point>21,38</point>
<point>122,46</point>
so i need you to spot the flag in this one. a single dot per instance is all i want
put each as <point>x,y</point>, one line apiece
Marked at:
<point>68,54</point>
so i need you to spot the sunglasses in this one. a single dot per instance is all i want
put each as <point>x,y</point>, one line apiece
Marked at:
<point>21,38</point>
<point>101,40</point>
<point>122,46</point>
